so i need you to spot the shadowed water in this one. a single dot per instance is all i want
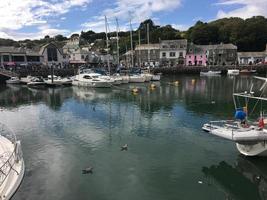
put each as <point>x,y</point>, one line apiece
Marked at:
<point>65,130</point>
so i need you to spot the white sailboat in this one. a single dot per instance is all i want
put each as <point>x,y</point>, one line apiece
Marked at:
<point>250,137</point>
<point>11,163</point>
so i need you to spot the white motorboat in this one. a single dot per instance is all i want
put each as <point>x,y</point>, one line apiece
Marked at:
<point>11,163</point>
<point>55,81</point>
<point>25,80</point>
<point>232,72</point>
<point>156,77</point>
<point>148,77</point>
<point>125,79</point>
<point>36,82</point>
<point>210,73</point>
<point>137,78</point>
<point>93,80</point>
<point>13,80</point>
<point>250,138</point>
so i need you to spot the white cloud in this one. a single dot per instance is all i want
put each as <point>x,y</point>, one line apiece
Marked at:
<point>181,27</point>
<point>246,8</point>
<point>136,10</point>
<point>17,14</point>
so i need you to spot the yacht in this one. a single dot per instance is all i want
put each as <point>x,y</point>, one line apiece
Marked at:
<point>25,80</point>
<point>250,137</point>
<point>57,80</point>
<point>210,73</point>
<point>137,78</point>
<point>13,80</point>
<point>93,80</point>
<point>232,72</point>
<point>11,163</point>
<point>156,77</point>
<point>36,82</point>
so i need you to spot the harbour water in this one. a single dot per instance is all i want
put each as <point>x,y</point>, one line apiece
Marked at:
<point>64,130</point>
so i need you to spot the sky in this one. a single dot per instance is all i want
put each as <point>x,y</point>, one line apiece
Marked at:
<point>34,19</point>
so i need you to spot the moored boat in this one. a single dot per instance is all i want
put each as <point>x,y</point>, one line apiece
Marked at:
<point>156,77</point>
<point>13,80</point>
<point>93,80</point>
<point>210,73</point>
<point>232,72</point>
<point>37,82</point>
<point>11,163</point>
<point>137,79</point>
<point>250,137</point>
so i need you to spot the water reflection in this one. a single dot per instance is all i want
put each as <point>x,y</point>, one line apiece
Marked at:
<point>69,128</point>
<point>246,179</point>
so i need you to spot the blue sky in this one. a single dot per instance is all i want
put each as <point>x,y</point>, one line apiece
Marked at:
<point>32,19</point>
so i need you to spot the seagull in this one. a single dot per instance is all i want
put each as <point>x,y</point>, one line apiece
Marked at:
<point>88,170</point>
<point>124,147</point>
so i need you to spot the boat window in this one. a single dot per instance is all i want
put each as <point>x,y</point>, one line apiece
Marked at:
<point>87,77</point>
<point>95,76</point>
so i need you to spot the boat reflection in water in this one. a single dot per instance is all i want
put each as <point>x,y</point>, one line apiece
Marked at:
<point>247,179</point>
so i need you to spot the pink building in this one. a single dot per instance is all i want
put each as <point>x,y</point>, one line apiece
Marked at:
<point>196,55</point>
<point>196,60</point>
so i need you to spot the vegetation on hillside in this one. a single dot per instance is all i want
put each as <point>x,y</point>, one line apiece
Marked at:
<point>248,35</point>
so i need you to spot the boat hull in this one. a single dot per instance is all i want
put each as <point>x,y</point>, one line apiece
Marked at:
<point>92,84</point>
<point>253,149</point>
<point>233,72</point>
<point>137,79</point>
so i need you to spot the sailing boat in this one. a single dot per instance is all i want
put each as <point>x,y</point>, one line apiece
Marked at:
<point>211,72</point>
<point>250,138</point>
<point>134,78</point>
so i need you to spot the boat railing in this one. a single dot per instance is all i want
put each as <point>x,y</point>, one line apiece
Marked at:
<point>7,166</point>
<point>8,159</point>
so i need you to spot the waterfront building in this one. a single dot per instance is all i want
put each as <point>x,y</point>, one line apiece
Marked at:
<point>18,56</point>
<point>196,56</point>
<point>147,55</point>
<point>252,58</point>
<point>52,54</point>
<point>173,52</point>
<point>221,54</point>
<point>127,58</point>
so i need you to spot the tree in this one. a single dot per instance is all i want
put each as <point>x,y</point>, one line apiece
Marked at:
<point>60,38</point>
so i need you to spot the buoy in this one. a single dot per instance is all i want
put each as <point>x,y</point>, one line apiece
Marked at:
<point>152,86</point>
<point>176,83</point>
<point>124,147</point>
<point>135,90</point>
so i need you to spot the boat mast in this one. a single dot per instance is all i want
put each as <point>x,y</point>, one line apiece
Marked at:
<point>106,25</point>
<point>148,51</point>
<point>131,35</point>
<point>139,52</point>
<point>118,48</point>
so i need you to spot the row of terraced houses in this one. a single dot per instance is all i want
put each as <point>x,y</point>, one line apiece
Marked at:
<point>165,53</point>
<point>182,53</point>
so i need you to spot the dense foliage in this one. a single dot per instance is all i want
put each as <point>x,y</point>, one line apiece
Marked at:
<point>248,35</point>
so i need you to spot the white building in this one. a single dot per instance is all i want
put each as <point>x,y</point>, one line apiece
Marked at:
<point>250,58</point>
<point>173,52</point>
<point>53,55</point>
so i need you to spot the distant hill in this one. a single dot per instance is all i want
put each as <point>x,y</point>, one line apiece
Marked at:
<point>248,35</point>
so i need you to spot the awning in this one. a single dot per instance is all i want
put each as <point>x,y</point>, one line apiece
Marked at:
<point>10,63</point>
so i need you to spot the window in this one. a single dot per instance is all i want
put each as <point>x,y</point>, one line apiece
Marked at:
<point>181,54</point>
<point>173,46</point>
<point>51,54</point>
<point>172,54</point>
<point>164,54</point>
<point>6,58</point>
<point>82,57</point>
<point>87,77</point>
